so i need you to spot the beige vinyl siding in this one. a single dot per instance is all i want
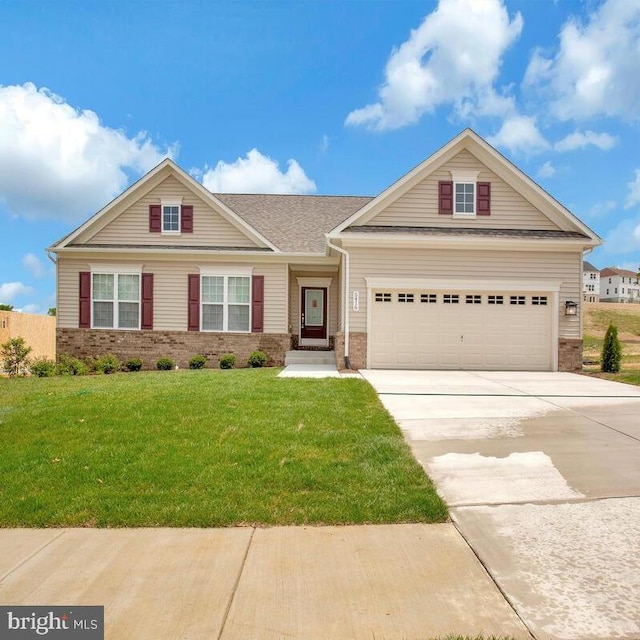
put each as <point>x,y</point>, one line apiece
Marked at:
<point>419,206</point>
<point>170,292</point>
<point>472,267</point>
<point>209,227</point>
<point>294,299</point>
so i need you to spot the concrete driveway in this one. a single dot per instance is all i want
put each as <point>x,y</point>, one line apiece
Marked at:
<point>542,475</point>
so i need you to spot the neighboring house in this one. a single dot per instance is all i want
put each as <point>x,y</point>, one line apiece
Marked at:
<point>590,282</point>
<point>38,332</point>
<point>619,285</point>
<point>463,263</point>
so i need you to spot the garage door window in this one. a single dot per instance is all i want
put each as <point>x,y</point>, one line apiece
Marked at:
<point>539,301</point>
<point>429,298</point>
<point>383,297</point>
<point>405,297</point>
<point>496,300</point>
<point>520,300</point>
<point>473,299</point>
<point>451,298</point>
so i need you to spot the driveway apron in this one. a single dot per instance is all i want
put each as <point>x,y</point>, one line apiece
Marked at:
<point>542,475</point>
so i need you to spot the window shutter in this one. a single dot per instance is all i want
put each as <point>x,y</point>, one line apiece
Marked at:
<point>147,301</point>
<point>194,302</point>
<point>85,300</point>
<point>187,218</point>
<point>257,304</point>
<point>155,218</point>
<point>483,199</point>
<point>445,197</point>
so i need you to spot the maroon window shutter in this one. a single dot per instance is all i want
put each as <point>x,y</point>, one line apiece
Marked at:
<point>194,302</point>
<point>155,218</point>
<point>85,300</point>
<point>257,304</point>
<point>187,218</point>
<point>483,199</point>
<point>445,197</point>
<point>147,301</point>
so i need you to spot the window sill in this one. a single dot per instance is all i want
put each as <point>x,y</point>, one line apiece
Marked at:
<point>465,215</point>
<point>171,233</point>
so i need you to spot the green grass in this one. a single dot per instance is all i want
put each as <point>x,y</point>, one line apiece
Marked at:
<point>204,448</point>
<point>627,321</point>
<point>630,377</point>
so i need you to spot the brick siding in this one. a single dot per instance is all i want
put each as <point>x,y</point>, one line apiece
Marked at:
<point>180,346</point>
<point>570,354</point>
<point>357,350</point>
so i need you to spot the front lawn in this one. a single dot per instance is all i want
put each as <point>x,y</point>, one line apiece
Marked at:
<point>204,448</point>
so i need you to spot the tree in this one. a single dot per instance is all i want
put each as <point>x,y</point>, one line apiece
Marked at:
<point>611,351</point>
<point>52,311</point>
<point>15,359</point>
<point>6,307</point>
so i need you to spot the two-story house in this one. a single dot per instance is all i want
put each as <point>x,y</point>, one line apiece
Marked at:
<point>619,285</point>
<point>590,282</point>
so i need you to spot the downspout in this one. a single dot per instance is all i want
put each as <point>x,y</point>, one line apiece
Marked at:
<point>345,314</point>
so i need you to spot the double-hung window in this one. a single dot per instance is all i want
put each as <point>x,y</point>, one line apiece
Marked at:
<point>171,214</point>
<point>226,303</point>
<point>115,300</point>
<point>464,192</point>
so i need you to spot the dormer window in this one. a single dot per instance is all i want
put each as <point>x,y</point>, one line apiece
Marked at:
<point>464,196</point>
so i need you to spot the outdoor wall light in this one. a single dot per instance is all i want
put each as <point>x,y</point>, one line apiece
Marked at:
<point>570,308</point>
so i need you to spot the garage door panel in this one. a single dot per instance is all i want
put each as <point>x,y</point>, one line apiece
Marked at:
<point>469,334</point>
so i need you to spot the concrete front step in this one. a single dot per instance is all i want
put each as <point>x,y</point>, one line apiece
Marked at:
<point>310,357</point>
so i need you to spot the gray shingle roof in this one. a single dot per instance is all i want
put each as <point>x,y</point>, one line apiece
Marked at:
<point>587,266</point>
<point>465,231</point>
<point>292,222</point>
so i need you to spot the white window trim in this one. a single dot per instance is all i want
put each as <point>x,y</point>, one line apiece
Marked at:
<point>117,271</point>
<point>226,273</point>
<point>172,201</point>
<point>465,177</point>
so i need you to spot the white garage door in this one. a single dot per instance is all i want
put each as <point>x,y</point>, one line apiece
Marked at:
<point>461,330</point>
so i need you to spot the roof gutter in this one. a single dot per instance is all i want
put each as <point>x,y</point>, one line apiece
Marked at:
<point>345,289</point>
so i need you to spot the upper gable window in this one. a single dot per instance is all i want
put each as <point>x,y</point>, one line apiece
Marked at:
<point>170,218</point>
<point>171,215</point>
<point>464,196</point>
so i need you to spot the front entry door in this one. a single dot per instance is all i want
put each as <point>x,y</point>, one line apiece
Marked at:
<point>313,319</point>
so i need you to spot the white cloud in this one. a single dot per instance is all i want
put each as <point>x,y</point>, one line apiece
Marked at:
<point>579,140</point>
<point>601,209</point>
<point>257,173</point>
<point>634,192</point>
<point>520,134</point>
<point>324,143</point>
<point>30,308</point>
<point>594,70</point>
<point>454,57</point>
<point>623,238</point>
<point>547,170</point>
<point>34,265</point>
<point>10,290</point>
<point>59,162</point>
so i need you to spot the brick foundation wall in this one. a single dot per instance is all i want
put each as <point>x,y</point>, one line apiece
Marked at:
<point>180,346</point>
<point>357,350</point>
<point>570,354</point>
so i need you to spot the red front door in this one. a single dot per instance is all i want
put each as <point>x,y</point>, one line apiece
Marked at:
<point>313,318</point>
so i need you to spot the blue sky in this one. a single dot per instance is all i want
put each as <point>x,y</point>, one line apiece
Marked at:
<point>326,97</point>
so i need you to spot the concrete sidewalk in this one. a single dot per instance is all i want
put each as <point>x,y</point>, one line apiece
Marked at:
<point>389,581</point>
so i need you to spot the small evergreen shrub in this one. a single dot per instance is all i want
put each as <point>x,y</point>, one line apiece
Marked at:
<point>133,364</point>
<point>611,351</point>
<point>15,357</point>
<point>227,361</point>
<point>106,364</point>
<point>257,359</point>
<point>43,368</point>
<point>197,362</point>
<point>165,364</point>
<point>68,366</point>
